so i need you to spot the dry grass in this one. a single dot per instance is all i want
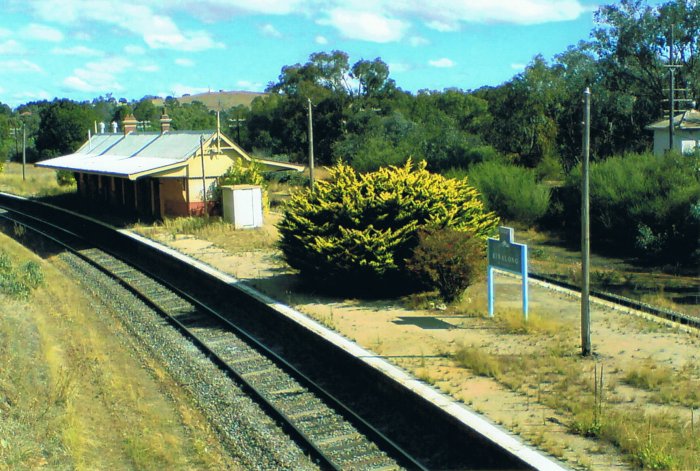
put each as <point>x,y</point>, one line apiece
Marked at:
<point>221,100</point>
<point>478,361</point>
<point>39,181</point>
<point>216,231</point>
<point>72,395</point>
<point>655,439</point>
<point>649,376</point>
<point>513,322</point>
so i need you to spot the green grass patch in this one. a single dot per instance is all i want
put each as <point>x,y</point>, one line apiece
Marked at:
<point>38,181</point>
<point>18,281</point>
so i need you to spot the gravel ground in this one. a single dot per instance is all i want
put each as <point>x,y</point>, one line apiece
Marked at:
<point>251,436</point>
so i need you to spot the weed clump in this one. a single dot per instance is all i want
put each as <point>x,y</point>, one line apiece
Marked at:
<point>18,282</point>
<point>480,362</point>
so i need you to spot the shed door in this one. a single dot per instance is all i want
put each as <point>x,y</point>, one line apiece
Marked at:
<point>243,208</point>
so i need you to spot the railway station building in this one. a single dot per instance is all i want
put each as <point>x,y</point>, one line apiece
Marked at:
<point>155,174</point>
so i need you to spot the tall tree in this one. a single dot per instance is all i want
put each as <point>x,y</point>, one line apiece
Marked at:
<point>64,127</point>
<point>372,77</point>
<point>633,41</point>
<point>525,112</point>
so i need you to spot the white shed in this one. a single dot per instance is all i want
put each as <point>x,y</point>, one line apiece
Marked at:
<point>242,205</point>
<point>686,133</point>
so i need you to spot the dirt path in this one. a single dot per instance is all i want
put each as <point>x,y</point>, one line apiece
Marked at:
<point>540,379</point>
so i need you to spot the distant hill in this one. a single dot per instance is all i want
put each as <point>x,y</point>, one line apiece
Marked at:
<point>220,100</point>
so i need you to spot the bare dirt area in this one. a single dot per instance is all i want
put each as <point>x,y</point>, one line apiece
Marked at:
<point>632,405</point>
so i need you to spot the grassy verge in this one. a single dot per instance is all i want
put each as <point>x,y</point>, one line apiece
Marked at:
<point>38,182</point>
<point>655,428</point>
<point>72,395</point>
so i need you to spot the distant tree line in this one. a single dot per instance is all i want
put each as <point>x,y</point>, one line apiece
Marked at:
<point>362,117</point>
<point>528,129</point>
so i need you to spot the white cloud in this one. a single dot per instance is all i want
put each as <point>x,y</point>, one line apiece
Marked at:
<point>518,66</point>
<point>365,25</point>
<point>11,47</point>
<point>79,84</point>
<point>442,63</point>
<point>399,67</point>
<point>270,31</point>
<point>184,62</point>
<point>82,36</point>
<point>445,15</point>
<point>42,33</point>
<point>20,66</point>
<point>4,32</point>
<point>249,86</point>
<point>99,76</point>
<point>76,51</point>
<point>416,41</point>
<point>36,95</point>
<point>157,30</point>
<point>134,50</point>
<point>321,40</point>
<point>149,68</point>
<point>174,39</point>
<point>213,10</point>
<point>443,26</point>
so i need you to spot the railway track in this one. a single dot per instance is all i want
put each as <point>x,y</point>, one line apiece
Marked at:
<point>334,436</point>
<point>343,408</point>
<point>623,301</point>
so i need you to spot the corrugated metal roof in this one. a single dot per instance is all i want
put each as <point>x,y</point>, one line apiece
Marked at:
<point>131,155</point>
<point>99,143</point>
<point>109,164</point>
<point>131,145</point>
<point>177,145</point>
<point>687,120</point>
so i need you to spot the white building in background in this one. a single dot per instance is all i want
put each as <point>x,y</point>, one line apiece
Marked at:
<point>686,133</point>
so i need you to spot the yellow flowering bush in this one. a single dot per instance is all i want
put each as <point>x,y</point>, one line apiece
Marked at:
<point>356,231</point>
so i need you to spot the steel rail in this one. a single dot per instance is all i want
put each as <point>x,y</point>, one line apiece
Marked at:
<point>384,442</point>
<point>656,311</point>
<point>269,408</point>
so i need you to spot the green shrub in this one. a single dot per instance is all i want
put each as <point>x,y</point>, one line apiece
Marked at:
<point>238,174</point>
<point>31,274</point>
<point>448,260</point>
<point>640,205</point>
<point>65,177</point>
<point>359,229</point>
<point>511,191</point>
<point>19,283</point>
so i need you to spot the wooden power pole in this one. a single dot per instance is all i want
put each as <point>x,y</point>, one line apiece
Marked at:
<point>311,148</point>
<point>585,230</point>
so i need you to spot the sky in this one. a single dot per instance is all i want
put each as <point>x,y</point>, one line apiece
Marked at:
<point>82,49</point>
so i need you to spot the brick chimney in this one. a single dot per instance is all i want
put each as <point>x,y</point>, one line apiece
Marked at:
<point>129,124</point>
<point>164,123</point>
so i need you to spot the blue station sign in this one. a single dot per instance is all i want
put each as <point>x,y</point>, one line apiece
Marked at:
<point>504,254</point>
